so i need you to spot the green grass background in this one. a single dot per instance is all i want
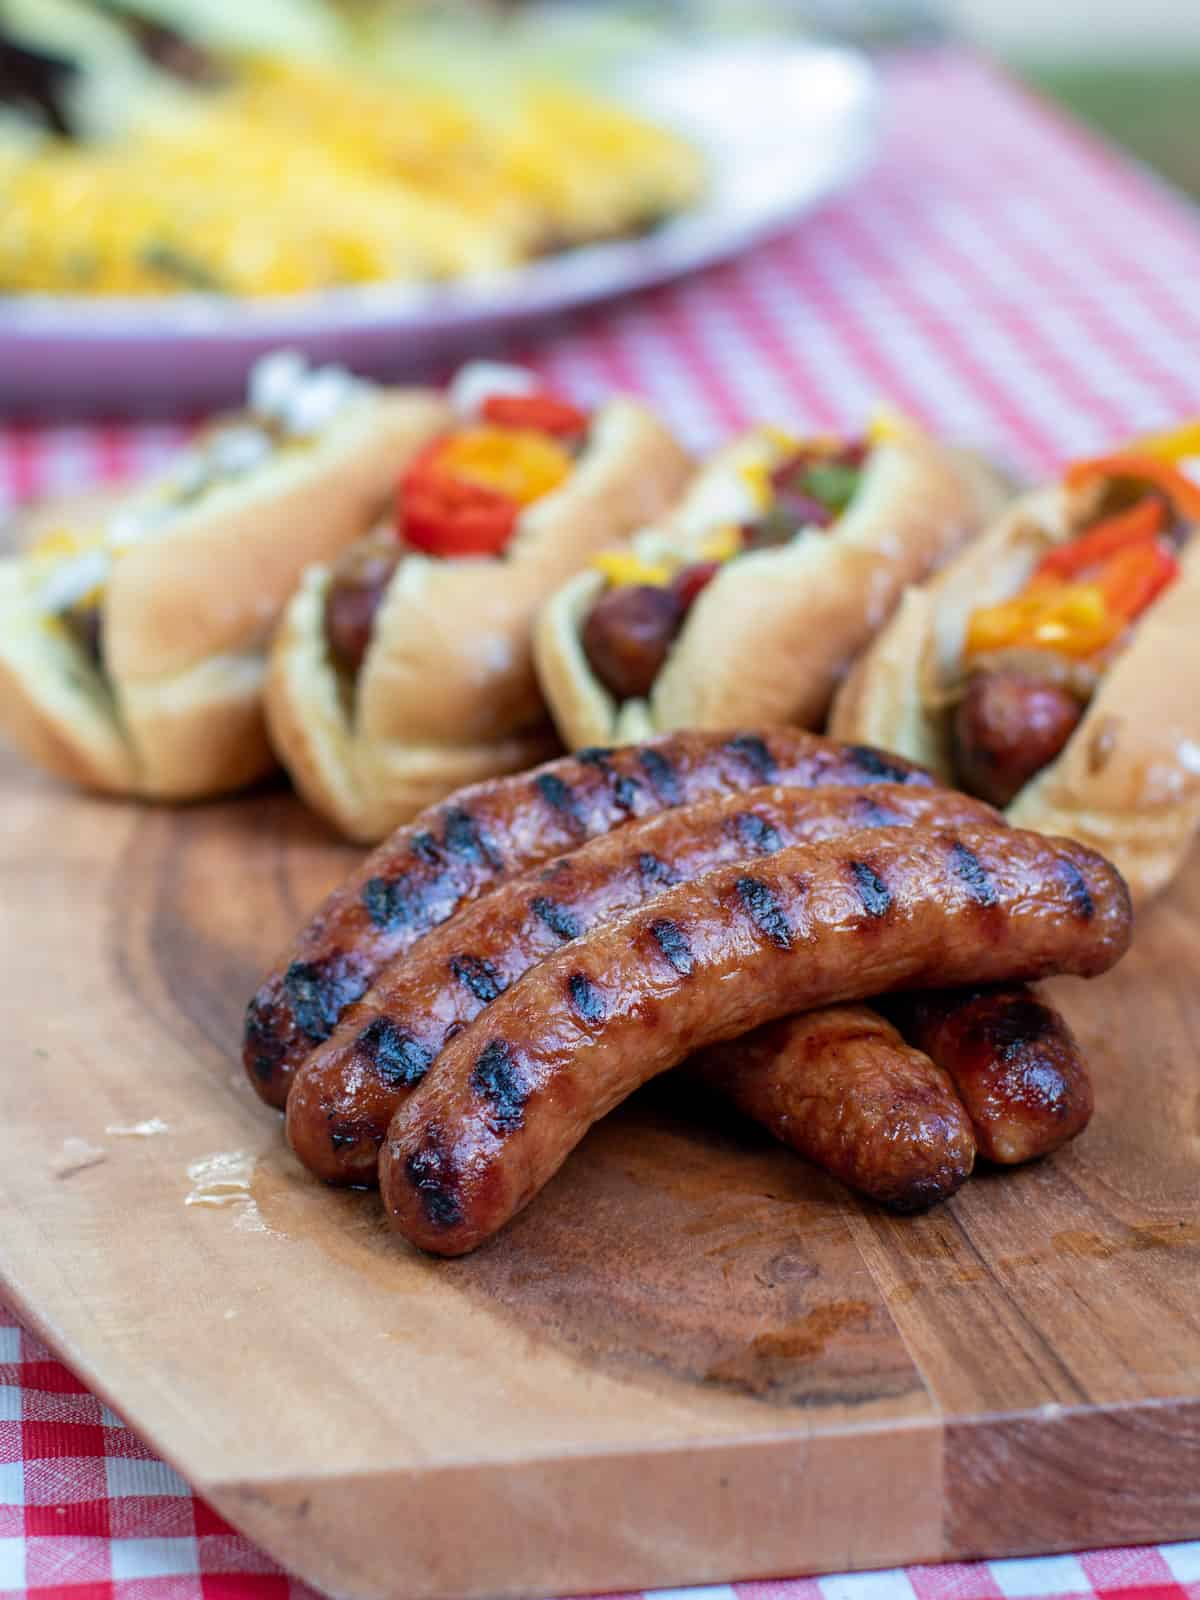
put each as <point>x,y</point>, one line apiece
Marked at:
<point>1152,110</point>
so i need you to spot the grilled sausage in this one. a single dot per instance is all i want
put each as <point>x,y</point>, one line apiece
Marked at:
<point>708,961</point>
<point>481,836</point>
<point>1007,728</point>
<point>841,1086</point>
<point>1014,1061</point>
<point>357,586</point>
<point>628,635</point>
<point>345,1092</point>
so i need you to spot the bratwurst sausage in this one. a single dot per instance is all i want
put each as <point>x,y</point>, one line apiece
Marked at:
<point>1014,1062</point>
<point>709,960</point>
<point>357,586</point>
<point>481,836</point>
<point>345,1092</point>
<point>1007,728</point>
<point>840,1086</point>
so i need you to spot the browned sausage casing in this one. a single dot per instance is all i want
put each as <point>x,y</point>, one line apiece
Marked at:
<point>1007,728</point>
<point>1014,1062</point>
<point>483,835</point>
<point>346,1091</point>
<point>709,960</point>
<point>841,1086</point>
<point>357,586</point>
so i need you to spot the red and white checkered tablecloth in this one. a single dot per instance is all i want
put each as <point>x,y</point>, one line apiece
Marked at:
<point>1001,275</point>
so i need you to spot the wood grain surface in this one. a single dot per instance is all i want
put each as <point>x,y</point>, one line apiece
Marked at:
<point>692,1359</point>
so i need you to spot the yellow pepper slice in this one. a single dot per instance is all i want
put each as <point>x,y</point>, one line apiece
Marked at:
<point>518,462</point>
<point>890,427</point>
<point>756,475</point>
<point>55,544</point>
<point>722,544</point>
<point>1175,445</point>
<point>1072,618</point>
<point>623,569</point>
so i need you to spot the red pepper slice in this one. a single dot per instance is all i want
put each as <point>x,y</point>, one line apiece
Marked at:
<point>691,582</point>
<point>545,412</point>
<point>447,516</point>
<point>1183,494</point>
<point>1134,578</point>
<point>1136,526</point>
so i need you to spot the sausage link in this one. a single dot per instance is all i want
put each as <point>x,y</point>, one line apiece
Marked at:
<point>709,960</point>
<point>481,836</point>
<point>841,1086</point>
<point>345,1092</point>
<point>357,586</point>
<point>1007,728</point>
<point>628,635</point>
<point>1014,1061</point>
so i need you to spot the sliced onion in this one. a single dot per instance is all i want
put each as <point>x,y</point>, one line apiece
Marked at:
<point>273,380</point>
<point>71,581</point>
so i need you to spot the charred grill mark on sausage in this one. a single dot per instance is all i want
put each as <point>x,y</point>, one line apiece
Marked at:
<point>970,870</point>
<point>624,788</point>
<point>396,1057</point>
<point>562,924</point>
<point>477,976</point>
<point>661,775</point>
<point>586,999</point>
<point>873,764</point>
<point>319,991</point>
<point>498,1079</point>
<point>760,901</point>
<point>393,902</point>
<point>262,1046</point>
<point>1012,1023</point>
<point>753,751</point>
<point>346,1132</point>
<point>559,796</point>
<point>425,848</point>
<point>464,838</point>
<point>757,835</point>
<point>655,872</point>
<point>1080,895</point>
<point>869,813</point>
<point>434,1177</point>
<point>872,891</point>
<point>670,939</point>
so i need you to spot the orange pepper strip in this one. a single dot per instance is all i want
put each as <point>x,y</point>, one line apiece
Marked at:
<point>1132,579</point>
<point>1135,526</point>
<point>1183,494</point>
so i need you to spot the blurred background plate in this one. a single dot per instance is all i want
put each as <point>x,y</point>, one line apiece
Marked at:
<point>782,123</point>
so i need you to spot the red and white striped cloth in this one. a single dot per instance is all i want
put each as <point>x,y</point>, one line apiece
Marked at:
<point>87,1512</point>
<point>1001,275</point>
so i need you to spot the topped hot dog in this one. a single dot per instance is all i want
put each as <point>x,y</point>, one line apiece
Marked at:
<point>751,600</point>
<point>133,633</point>
<point>1048,669</point>
<point>405,670</point>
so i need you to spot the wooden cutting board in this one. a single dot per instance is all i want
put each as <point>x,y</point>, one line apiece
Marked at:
<point>693,1358</point>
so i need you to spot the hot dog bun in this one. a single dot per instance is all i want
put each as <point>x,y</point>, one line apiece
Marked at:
<point>447,693</point>
<point>1128,781</point>
<point>771,636</point>
<point>175,713</point>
